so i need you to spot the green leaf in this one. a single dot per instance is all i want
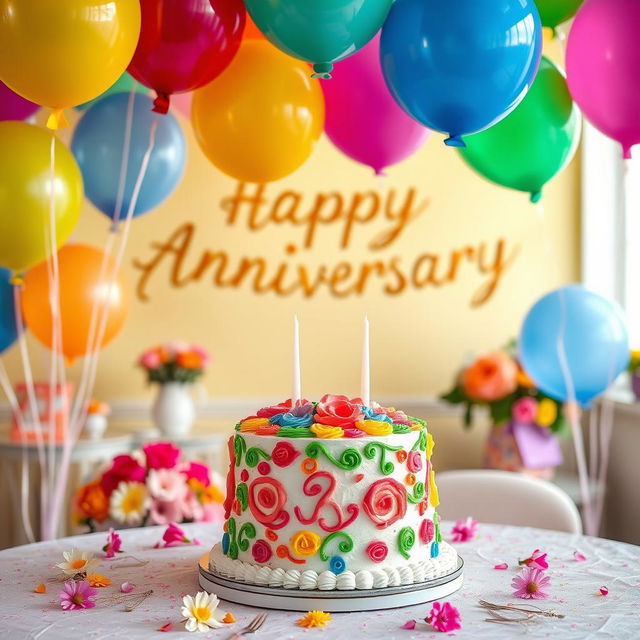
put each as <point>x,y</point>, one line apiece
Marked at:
<point>455,396</point>
<point>468,415</point>
<point>501,409</point>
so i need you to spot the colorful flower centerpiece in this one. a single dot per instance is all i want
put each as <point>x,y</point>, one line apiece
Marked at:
<point>152,486</point>
<point>175,366</point>
<point>634,373</point>
<point>525,420</point>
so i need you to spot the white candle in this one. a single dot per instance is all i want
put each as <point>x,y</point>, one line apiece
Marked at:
<point>365,376</point>
<point>296,392</point>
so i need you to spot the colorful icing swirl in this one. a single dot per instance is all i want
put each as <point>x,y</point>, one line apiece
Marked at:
<point>430,445</point>
<point>377,551</point>
<point>434,498</point>
<point>251,424</point>
<point>305,543</point>
<point>386,466</point>
<point>375,428</point>
<point>327,432</point>
<point>261,551</point>
<point>271,535</point>
<point>406,540</point>
<point>346,545</point>
<point>309,466</point>
<point>352,432</point>
<point>414,462</point>
<point>253,455</point>
<point>418,493</point>
<point>267,498</point>
<point>401,455</point>
<point>291,420</point>
<point>242,495</point>
<point>337,565</point>
<point>421,442</point>
<point>264,468</point>
<point>402,428</point>
<point>435,549</point>
<point>385,502</point>
<point>349,459</point>
<point>283,454</point>
<point>294,432</point>
<point>427,531</point>
<point>282,551</point>
<point>247,530</point>
<point>239,447</point>
<point>232,549</point>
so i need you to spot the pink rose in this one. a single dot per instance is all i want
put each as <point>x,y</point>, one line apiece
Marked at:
<point>124,468</point>
<point>205,356</point>
<point>150,360</point>
<point>525,410</point>
<point>197,471</point>
<point>166,484</point>
<point>283,454</point>
<point>427,531</point>
<point>161,455</point>
<point>261,551</point>
<point>212,512</point>
<point>332,397</point>
<point>165,512</point>
<point>414,462</point>
<point>338,411</point>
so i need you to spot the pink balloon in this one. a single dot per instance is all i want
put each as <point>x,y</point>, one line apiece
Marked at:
<point>603,67</point>
<point>182,101</point>
<point>13,106</point>
<point>362,118</point>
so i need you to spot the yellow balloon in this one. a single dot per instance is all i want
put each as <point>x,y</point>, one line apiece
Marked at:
<point>260,119</point>
<point>60,53</point>
<point>25,187</point>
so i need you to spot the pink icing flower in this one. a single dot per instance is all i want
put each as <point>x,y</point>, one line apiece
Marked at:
<point>524,410</point>
<point>579,557</point>
<point>161,455</point>
<point>464,530</point>
<point>165,512</point>
<point>427,531</point>
<point>444,617</point>
<point>77,595</point>
<point>377,551</point>
<point>335,397</point>
<point>537,560</point>
<point>124,468</point>
<point>283,454</point>
<point>338,411</point>
<point>261,551</point>
<point>167,485</point>
<point>530,584</point>
<point>150,360</point>
<point>114,544</point>
<point>501,567</point>
<point>276,409</point>
<point>354,433</point>
<point>398,417</point>
<point>197,471</point>
<point>414,462</point>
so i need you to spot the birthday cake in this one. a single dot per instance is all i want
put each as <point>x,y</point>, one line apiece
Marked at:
<point>331,495</point>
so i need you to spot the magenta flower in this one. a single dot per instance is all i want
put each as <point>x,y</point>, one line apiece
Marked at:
<point>175,536</point>
<point>524,410</point>
<point>114,544</point>
<point>537,560</point>
<point>530,584</point>
<point>464,530</point>
<point>77,595</point>
<point>444,617</point>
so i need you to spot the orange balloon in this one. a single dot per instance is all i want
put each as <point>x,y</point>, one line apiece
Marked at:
<point>80,288</point>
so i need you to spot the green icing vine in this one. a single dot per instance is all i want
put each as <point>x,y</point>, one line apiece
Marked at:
<point>406,540</point>
<point>233,543</point>
<point>418,493</point>
<point>237,427</point>
<point>242,493</point>
<point>239,448</point>
<point>253,455</point>
<point>436,521</point>
<point>295,432</point>
<point>401,428</point>
<point>345,546</point>
<point>421,442</point>
<point>419,421</point>
<point>386,466</point>
<point>247,530</point>
<point>349,459</point>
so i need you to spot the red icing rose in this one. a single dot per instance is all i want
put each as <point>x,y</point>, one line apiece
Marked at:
<point>377,551</point>
<point>385,502</point>
<point>414,462</point>
<point>161,455</point>
<point>338,411</point>
<point>124,468</point>
<point>427,531</point>
<point>197,471</point>
<point>283,454</point>
<point>261,551</point>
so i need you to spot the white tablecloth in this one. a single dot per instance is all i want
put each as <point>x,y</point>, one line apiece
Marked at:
<point>172,573</point>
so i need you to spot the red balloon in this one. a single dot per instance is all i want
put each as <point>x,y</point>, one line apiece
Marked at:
<point>185,44</point>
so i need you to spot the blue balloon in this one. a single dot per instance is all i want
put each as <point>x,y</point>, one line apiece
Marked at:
<point>589,329</point>
<point>98,142</point>
<point>8,329</point>
<point>460,67</point>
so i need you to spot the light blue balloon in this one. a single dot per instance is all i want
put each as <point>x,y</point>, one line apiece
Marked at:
<point>98,142</point>
<point>460,67</point>
<point>592,332</point>
<point>8,329</point>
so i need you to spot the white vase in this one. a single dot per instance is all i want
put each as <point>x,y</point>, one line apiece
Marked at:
<point>173,411</point>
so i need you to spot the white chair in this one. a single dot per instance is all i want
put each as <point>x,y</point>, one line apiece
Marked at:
<point>502,497</point>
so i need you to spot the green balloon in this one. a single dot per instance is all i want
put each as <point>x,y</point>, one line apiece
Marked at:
<point>555,12</point>
<point>534,142</point>
<point>319,31</point>
<point>123,84</point>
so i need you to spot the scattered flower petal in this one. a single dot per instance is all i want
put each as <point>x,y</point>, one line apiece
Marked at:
<point>41,588</point>
<point>579,557</point>
<point>229,618</point>
<point>604,591</point>
<point>537,560</point>
<point>127,587</point>
<point>98,580</point>
<point>409,625</point>
<point>166,627</point>
<point>114,544</point>
<point>200,612</point>
<point>77,595</point>
<point>464,530</point>
<point>530,584</point>
<point>174,536</point>
<point>503,566</point>
<point>444,617</point>
<point>314,619</point>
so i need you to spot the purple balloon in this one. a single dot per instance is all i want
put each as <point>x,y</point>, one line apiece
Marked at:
<point>603,67</point>
<point>362,118</point>
<point>13,106</point>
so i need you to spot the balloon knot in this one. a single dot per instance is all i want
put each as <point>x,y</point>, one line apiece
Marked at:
<point>454,141</point>
<point>57,120</point>
<point>161,103</point>
<point>322,70</point>
<point>381,172</point>
<point>17,279</point>
<point>626,152</point>
<point>535,196</point>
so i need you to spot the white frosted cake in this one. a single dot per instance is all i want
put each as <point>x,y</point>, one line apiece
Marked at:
<point>331,495</point>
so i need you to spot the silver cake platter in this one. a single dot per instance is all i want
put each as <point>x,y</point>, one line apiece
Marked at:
<point>331,601</point>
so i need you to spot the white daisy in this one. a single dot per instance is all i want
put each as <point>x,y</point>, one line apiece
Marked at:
<point>129,502</point>
<point>200,612</point>
<point>76,561</point>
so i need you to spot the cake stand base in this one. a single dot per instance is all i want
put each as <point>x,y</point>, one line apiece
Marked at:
<point>331,601</point>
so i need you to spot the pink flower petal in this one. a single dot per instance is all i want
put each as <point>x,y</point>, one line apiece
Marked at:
<point>409,625</point>
<point>501,567</point>
<point>127,587</point>
<point>196,542</point>
<point>604,591</point>
<point>579,557</point>
<point>166,627</point>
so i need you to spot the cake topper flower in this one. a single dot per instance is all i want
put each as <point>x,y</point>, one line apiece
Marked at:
<point>530,584</point>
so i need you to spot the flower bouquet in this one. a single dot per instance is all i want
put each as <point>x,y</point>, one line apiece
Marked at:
<point>149,487</point>
<point>525,420</point>
<point>634,373</point>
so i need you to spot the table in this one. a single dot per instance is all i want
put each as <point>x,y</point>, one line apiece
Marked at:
<point>171,573</point>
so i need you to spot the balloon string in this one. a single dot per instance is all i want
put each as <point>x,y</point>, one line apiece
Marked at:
<point>550,262</point>
<point>25,513</point>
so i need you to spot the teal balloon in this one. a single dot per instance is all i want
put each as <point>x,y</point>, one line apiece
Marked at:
<point>534,142</point>
<point>319,31</point>
<point>123,84</point>
<point>8,327</point>
<point>555,12</point>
